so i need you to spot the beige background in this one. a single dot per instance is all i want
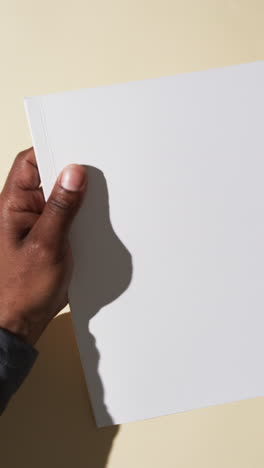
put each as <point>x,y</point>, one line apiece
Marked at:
<point>48,46</point>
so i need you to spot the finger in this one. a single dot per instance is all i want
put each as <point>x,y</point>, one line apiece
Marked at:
<point>52,227</point>
<point>24,174</point>
<point>21,200</point>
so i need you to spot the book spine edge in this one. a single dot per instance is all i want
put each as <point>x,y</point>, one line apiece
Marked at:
<point>37,125</point>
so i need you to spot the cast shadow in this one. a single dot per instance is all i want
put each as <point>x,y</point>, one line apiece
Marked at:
<point>103,272</point>
<point>50,422</point>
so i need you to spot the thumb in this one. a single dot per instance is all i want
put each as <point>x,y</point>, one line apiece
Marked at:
<point>52,227</point>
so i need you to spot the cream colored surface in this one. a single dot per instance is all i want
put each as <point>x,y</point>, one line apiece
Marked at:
<point>60,45</point>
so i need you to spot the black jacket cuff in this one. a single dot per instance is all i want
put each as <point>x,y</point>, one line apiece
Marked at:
<point>16,360</point>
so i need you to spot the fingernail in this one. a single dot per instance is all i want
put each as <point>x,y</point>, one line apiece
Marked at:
<point>73,178</point>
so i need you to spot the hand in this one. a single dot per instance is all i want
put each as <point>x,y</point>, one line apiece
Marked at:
<point>36,263</point>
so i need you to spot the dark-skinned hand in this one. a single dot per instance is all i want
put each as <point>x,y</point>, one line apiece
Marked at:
<point>36,262</point>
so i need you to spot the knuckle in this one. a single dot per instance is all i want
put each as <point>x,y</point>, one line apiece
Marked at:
<point>40,250</point>
<point>61,203</point>
<point>58,204</point>
<point>44,252</point>
<point>20,156</point>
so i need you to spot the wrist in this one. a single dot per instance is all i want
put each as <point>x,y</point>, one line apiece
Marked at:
<point>20,328</point>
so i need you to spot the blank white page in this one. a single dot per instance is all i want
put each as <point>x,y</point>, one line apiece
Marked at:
<point>167,295</point>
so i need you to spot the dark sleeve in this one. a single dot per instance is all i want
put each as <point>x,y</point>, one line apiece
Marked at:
<point>16,360</point>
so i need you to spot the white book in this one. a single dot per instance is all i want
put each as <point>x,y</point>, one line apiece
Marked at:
<point>167,295</point>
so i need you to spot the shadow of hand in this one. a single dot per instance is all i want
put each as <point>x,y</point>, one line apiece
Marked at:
<point>49,422</point>
<point>103,271</point>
